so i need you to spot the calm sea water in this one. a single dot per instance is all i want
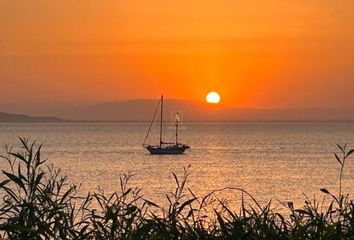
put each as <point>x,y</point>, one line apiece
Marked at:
<point>279,161</point>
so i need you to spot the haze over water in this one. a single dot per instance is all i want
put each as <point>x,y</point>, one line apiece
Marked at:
<point>270,160</point>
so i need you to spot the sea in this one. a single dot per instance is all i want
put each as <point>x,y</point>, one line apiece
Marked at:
<point>277,161</point>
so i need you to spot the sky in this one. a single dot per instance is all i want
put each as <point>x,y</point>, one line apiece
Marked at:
<point>255,53</point>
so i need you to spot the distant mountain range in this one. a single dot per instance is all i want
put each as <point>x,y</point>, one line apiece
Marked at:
<point>141,110</point>
<point>21,118</point>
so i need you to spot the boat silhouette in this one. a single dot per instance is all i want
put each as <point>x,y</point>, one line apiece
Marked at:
<point>165,147</point>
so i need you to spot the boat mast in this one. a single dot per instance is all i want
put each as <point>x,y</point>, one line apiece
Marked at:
<point>177,120</point>
<point>161,120</point>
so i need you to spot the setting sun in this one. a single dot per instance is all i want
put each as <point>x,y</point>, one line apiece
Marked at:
<point>213,97</point>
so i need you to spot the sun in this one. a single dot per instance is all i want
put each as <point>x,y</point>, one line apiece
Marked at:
<point>213,97</point>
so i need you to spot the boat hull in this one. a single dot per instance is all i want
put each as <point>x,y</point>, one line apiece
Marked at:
<point>170,149</point>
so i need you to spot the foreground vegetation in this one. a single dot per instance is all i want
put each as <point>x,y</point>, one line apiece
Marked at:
<point>38,202</point>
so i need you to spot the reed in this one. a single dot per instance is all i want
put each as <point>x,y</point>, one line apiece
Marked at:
<point>39,203</point>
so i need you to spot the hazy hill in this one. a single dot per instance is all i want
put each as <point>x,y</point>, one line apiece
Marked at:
<point>143,110</point>
<point>21,118</point>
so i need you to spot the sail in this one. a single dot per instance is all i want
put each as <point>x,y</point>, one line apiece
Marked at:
<point>177,119</point>
<point>152,121</point>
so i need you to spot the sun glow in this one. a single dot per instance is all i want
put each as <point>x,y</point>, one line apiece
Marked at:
<point>213,97</point>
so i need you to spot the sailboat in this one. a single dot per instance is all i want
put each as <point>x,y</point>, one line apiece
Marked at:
<point>165,147</point>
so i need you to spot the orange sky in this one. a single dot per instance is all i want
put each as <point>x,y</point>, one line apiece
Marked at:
<point>255,53</point>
